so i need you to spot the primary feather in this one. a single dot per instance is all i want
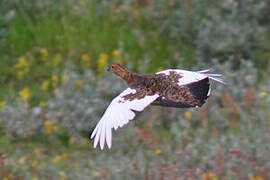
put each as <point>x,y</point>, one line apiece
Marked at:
<point>118,113</point>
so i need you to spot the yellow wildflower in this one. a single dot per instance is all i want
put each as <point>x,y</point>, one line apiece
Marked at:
<point>45,85</point>
<point>63,79</point>
<point>48,131</point>
<point>187,114</point>
<point>64,155</point>
<point>42,104</point>
<point>256,178</point>
<point>264,94</point>
<point>3,105</point>
<point>25,93</point>
<point>48,123</point>
<point>209,176</point>
<point>5,178</point>
<point>79,83</point>
<point>85,58</point>
<point>56,159</point>
<point>102,61</point>
<point>49,127</point>
<point>116,53</point>
<point>22,160</point>
<point>62,175</point>
<point>34,178</point>
<point>159,151</point>
<point>37,152</point>
<point>22,62</point>
<point>44,52</point>
<point>54,78</point>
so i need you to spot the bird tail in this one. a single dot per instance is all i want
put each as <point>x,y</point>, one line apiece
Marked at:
<point>215,77</point>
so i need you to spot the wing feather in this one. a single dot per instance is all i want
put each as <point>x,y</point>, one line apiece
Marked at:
<point>193,76</point>
<point>108,135</point>
<point>118,113</point>
<point>196,81</point>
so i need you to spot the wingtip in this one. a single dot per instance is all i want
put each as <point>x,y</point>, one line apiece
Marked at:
<point>215,77</point>
<point>109,146</point>
<point>101,146</point>
<point>94,132</point>
<point>92,136</point>
<point>95,144</point>
<point>220,80</point>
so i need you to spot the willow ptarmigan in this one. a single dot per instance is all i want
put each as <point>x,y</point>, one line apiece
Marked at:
<point>170,88</point>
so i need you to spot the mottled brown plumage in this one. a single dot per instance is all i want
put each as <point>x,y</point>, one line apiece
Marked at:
<point>166,86</point>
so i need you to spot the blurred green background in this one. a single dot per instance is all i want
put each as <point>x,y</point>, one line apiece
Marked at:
<point>54,88</point>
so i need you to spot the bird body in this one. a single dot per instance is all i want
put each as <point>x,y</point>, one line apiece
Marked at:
<point>170,88</point>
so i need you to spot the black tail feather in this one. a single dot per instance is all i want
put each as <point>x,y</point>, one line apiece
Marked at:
<point>200,89</point>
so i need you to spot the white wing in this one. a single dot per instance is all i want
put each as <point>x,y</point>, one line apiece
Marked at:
<point>118,113</point>
<point>193,76</point>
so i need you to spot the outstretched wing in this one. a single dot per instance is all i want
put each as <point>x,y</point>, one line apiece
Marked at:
<point>194,86</point>
<point>119,112</point>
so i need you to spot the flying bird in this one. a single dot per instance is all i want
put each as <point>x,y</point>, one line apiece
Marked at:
<point>171,88</point>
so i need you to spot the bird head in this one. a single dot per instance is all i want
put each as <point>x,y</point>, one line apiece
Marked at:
<point>118,70</point>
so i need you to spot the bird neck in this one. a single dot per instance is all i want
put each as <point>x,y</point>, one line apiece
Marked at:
<point>135,80</point>
<point>129,77</point>
<point>132,79</point>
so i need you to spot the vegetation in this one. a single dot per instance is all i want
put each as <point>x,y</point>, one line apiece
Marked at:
<point>54,89</point>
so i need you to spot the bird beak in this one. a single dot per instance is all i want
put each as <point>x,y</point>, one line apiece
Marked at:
<point>108,68</point>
